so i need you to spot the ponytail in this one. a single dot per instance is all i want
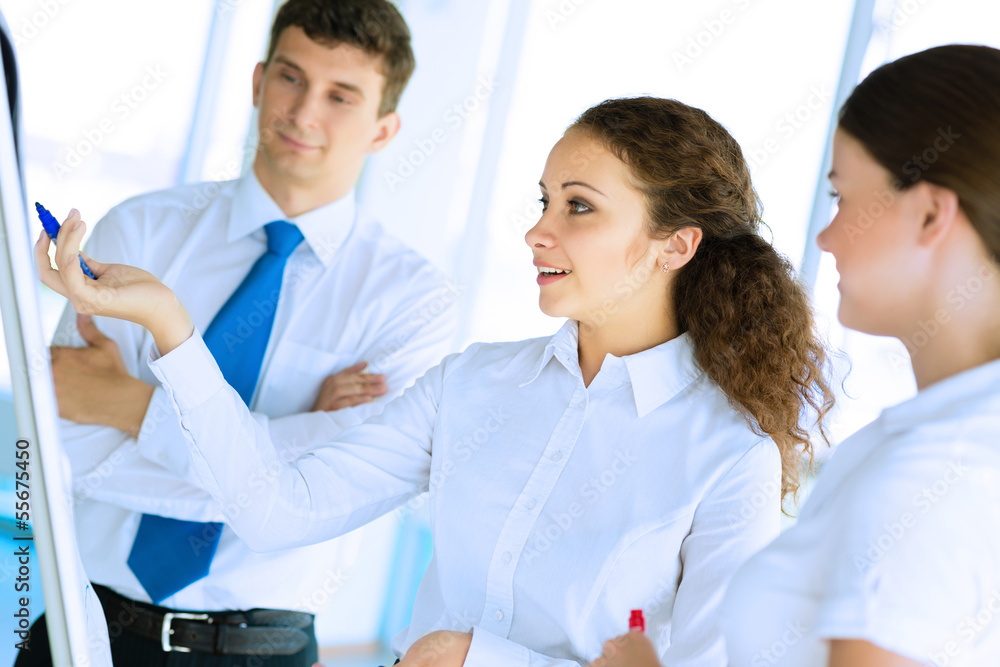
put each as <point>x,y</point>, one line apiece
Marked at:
<point>752,329</point>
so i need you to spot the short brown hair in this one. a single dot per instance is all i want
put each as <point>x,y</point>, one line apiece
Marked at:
<point>374,26</point>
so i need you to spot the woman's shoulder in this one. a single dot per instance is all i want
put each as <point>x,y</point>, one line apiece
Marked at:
<point>509,356</point>
<point>905,533</point>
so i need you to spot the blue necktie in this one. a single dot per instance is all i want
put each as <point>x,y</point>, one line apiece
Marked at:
<point>169,554</point>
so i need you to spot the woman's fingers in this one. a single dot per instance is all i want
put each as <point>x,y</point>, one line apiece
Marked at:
<point>68,253</point>
<point>49,276</point>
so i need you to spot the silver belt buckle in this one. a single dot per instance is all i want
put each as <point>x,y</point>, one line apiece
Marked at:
<point>167,630</point>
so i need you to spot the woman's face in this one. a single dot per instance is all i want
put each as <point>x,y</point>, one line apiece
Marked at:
<point>873,238</point>
<point>592,231</point>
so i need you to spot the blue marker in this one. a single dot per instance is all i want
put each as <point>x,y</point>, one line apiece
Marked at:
<point>52,229</point>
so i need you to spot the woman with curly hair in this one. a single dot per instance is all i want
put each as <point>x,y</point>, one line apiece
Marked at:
<point>634,459</point>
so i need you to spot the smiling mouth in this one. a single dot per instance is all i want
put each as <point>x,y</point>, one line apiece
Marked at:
<point>547,275</point>
<point>298,145</point>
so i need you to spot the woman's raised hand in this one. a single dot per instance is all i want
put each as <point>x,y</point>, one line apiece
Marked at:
<point>120,291</point>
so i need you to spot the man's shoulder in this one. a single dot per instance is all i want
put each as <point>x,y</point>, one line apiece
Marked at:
<point>187,197</point>
<point>391,254</point>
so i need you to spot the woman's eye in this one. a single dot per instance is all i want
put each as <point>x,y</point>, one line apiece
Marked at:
<point>577,207</point>
<point>289,78</point>
<point>833,193</point>
<point>544,202</point>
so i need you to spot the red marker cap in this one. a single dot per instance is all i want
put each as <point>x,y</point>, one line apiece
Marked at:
<point>636,621</point>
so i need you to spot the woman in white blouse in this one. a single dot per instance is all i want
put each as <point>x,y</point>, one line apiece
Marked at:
<point>895,559</point>
<point>634,459</point>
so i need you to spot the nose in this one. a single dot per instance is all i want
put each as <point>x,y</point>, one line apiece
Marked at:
<point>305,109</point>
<point>539,236</point>
<point>823,239</point>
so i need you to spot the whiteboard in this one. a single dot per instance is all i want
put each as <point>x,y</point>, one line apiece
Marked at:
<point>44,538</point>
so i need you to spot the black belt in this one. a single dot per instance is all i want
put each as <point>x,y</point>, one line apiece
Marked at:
<point>256,631</point>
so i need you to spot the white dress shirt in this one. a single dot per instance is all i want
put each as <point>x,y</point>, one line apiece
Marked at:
<point>350,293</point>
<point>898,543</point>
<point>555,508</point>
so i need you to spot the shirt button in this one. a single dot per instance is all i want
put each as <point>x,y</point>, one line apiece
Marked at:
<point>530,503</point>
<point>498,615</point>
<point>506,557</point>
<point>557,456</point>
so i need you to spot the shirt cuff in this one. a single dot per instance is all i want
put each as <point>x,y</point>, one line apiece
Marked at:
<point>188,372</point>
<point>489,650</point>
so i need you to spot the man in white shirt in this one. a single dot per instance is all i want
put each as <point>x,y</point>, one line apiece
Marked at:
<point>326,96</point>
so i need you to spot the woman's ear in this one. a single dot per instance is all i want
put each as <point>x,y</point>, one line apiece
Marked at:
<point>680,247</point>
<point>940,210</point>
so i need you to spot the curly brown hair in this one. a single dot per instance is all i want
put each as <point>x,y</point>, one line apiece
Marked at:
<point>739,300</point>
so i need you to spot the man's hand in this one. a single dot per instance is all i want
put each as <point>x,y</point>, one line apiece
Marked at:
<point>632,649</point>
<point>93,386</point>
<point>348,388</point>
<point>443,648</point>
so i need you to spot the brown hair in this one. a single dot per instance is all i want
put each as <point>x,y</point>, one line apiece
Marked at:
<point>738,299</point>
<point>935,116</point>
<point>374,26</point>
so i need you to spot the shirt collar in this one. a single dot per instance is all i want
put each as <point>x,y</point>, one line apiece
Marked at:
<point>970,392</point>
<point>563,346</point>
<point>656,375</point>
<point>325,229</point>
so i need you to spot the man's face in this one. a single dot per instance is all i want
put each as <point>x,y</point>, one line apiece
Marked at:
<point>318,114</point>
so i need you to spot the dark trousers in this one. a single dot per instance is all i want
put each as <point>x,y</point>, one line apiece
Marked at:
<point>131,650</point>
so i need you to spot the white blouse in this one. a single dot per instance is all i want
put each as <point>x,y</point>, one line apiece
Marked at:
<point>898,544</point>
<point>556,508</point>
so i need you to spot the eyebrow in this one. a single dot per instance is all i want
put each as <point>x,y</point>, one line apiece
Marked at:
<point>340,84</point>
<point>831,175</point>
<point>581,183</point>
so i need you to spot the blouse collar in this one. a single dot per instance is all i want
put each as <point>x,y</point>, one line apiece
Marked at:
<point>656,375</point>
